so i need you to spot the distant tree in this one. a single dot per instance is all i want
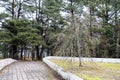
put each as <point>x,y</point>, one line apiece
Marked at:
<point>19,33</point>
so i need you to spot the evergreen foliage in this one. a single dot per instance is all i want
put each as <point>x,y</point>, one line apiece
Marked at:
<point>88,28</point>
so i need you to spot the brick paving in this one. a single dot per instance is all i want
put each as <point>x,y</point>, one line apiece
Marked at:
<point>27,70</point>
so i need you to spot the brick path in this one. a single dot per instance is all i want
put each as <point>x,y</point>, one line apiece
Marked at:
<point>27,70</point>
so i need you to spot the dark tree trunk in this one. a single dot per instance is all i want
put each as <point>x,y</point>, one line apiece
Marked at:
<point>11,52</point>
<point>5,55</point>
<point>51,51</point>
<point>91,32</point>
<point>21,53</point>
<point>41,53</point>
<point>20,5</point>
<point>15,55</point>
<point>37,52</point>
<point>48,52</point>
<point>13,6</point>
<point>33,53</point>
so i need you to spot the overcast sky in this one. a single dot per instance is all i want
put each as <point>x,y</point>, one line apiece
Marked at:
<point>1,9</point>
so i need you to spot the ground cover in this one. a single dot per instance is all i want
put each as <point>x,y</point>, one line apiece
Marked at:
<point>90,70</point>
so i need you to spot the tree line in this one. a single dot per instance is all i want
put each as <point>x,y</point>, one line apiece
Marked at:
<point>87,28</point>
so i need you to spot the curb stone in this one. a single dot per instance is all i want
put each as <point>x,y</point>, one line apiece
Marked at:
<point>6,62</point>
<point>60,71</point>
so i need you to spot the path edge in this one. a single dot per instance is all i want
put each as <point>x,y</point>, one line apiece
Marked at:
<point>6,62</point>
<point>60,71</point>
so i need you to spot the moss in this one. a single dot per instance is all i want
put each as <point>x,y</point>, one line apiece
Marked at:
<point>88,77</point>
<point>110,65</point>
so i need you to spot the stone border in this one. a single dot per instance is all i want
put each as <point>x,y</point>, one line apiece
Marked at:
<point>68,75</point>
<point>6,62</point>
<point>107,60</point>
<point>60,71</point>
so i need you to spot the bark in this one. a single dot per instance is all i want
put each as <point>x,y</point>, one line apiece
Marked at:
<point>5,55</point>
<point>49,51</point>
<point>91,16</point>
<point>19,10</point>
<point>15,55</point>
<point>41,53</point>
<point>72,14</point>
<point>106,15</point>
<point>79,50</point>
<point>37,52</point>
<point>118,45</point>
<point>91,33</point>
<point>33,54</point>
<point>36,10</point>
<point>79,44</point>
<point>21,53</point>
<point>11,52</point>
<point>39,20</point>
<point>13,6</point>
<point>117,31</point>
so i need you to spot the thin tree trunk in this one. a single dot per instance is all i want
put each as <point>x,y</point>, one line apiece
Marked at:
<point>118,45</point>
<point>91,33</point>
<point>41,53</point>
<point>20,5</point>
<point>13,12</point>
<point>91,15</point>
<point>117,31</point>
<point>33,53</point>
<point>21,53</point>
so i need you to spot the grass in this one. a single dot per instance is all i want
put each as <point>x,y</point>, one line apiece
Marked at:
<point>91,70</point>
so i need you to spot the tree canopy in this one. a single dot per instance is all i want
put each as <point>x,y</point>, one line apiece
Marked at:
<point>37,28</point>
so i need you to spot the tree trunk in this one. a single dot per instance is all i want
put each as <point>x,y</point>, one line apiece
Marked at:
<point>91,33</point>
<point>117,31</point>
<point>79,51</point>
<point>15,55</point>
<point>5,55</point>
<point>20,5</point>
<point>41,53</point>
<point>37,52</point>
<point>13,12</point>
<point>33,54</point>
<point>118,45</point>
<point>21,56</point>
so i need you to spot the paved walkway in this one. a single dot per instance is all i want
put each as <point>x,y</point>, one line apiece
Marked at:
<point>27,70</point>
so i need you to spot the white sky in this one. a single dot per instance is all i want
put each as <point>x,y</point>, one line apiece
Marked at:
<point>1,9</point>
<point>85,9</point>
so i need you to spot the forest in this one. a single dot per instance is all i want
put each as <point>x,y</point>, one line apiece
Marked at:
<point>38,28</point>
